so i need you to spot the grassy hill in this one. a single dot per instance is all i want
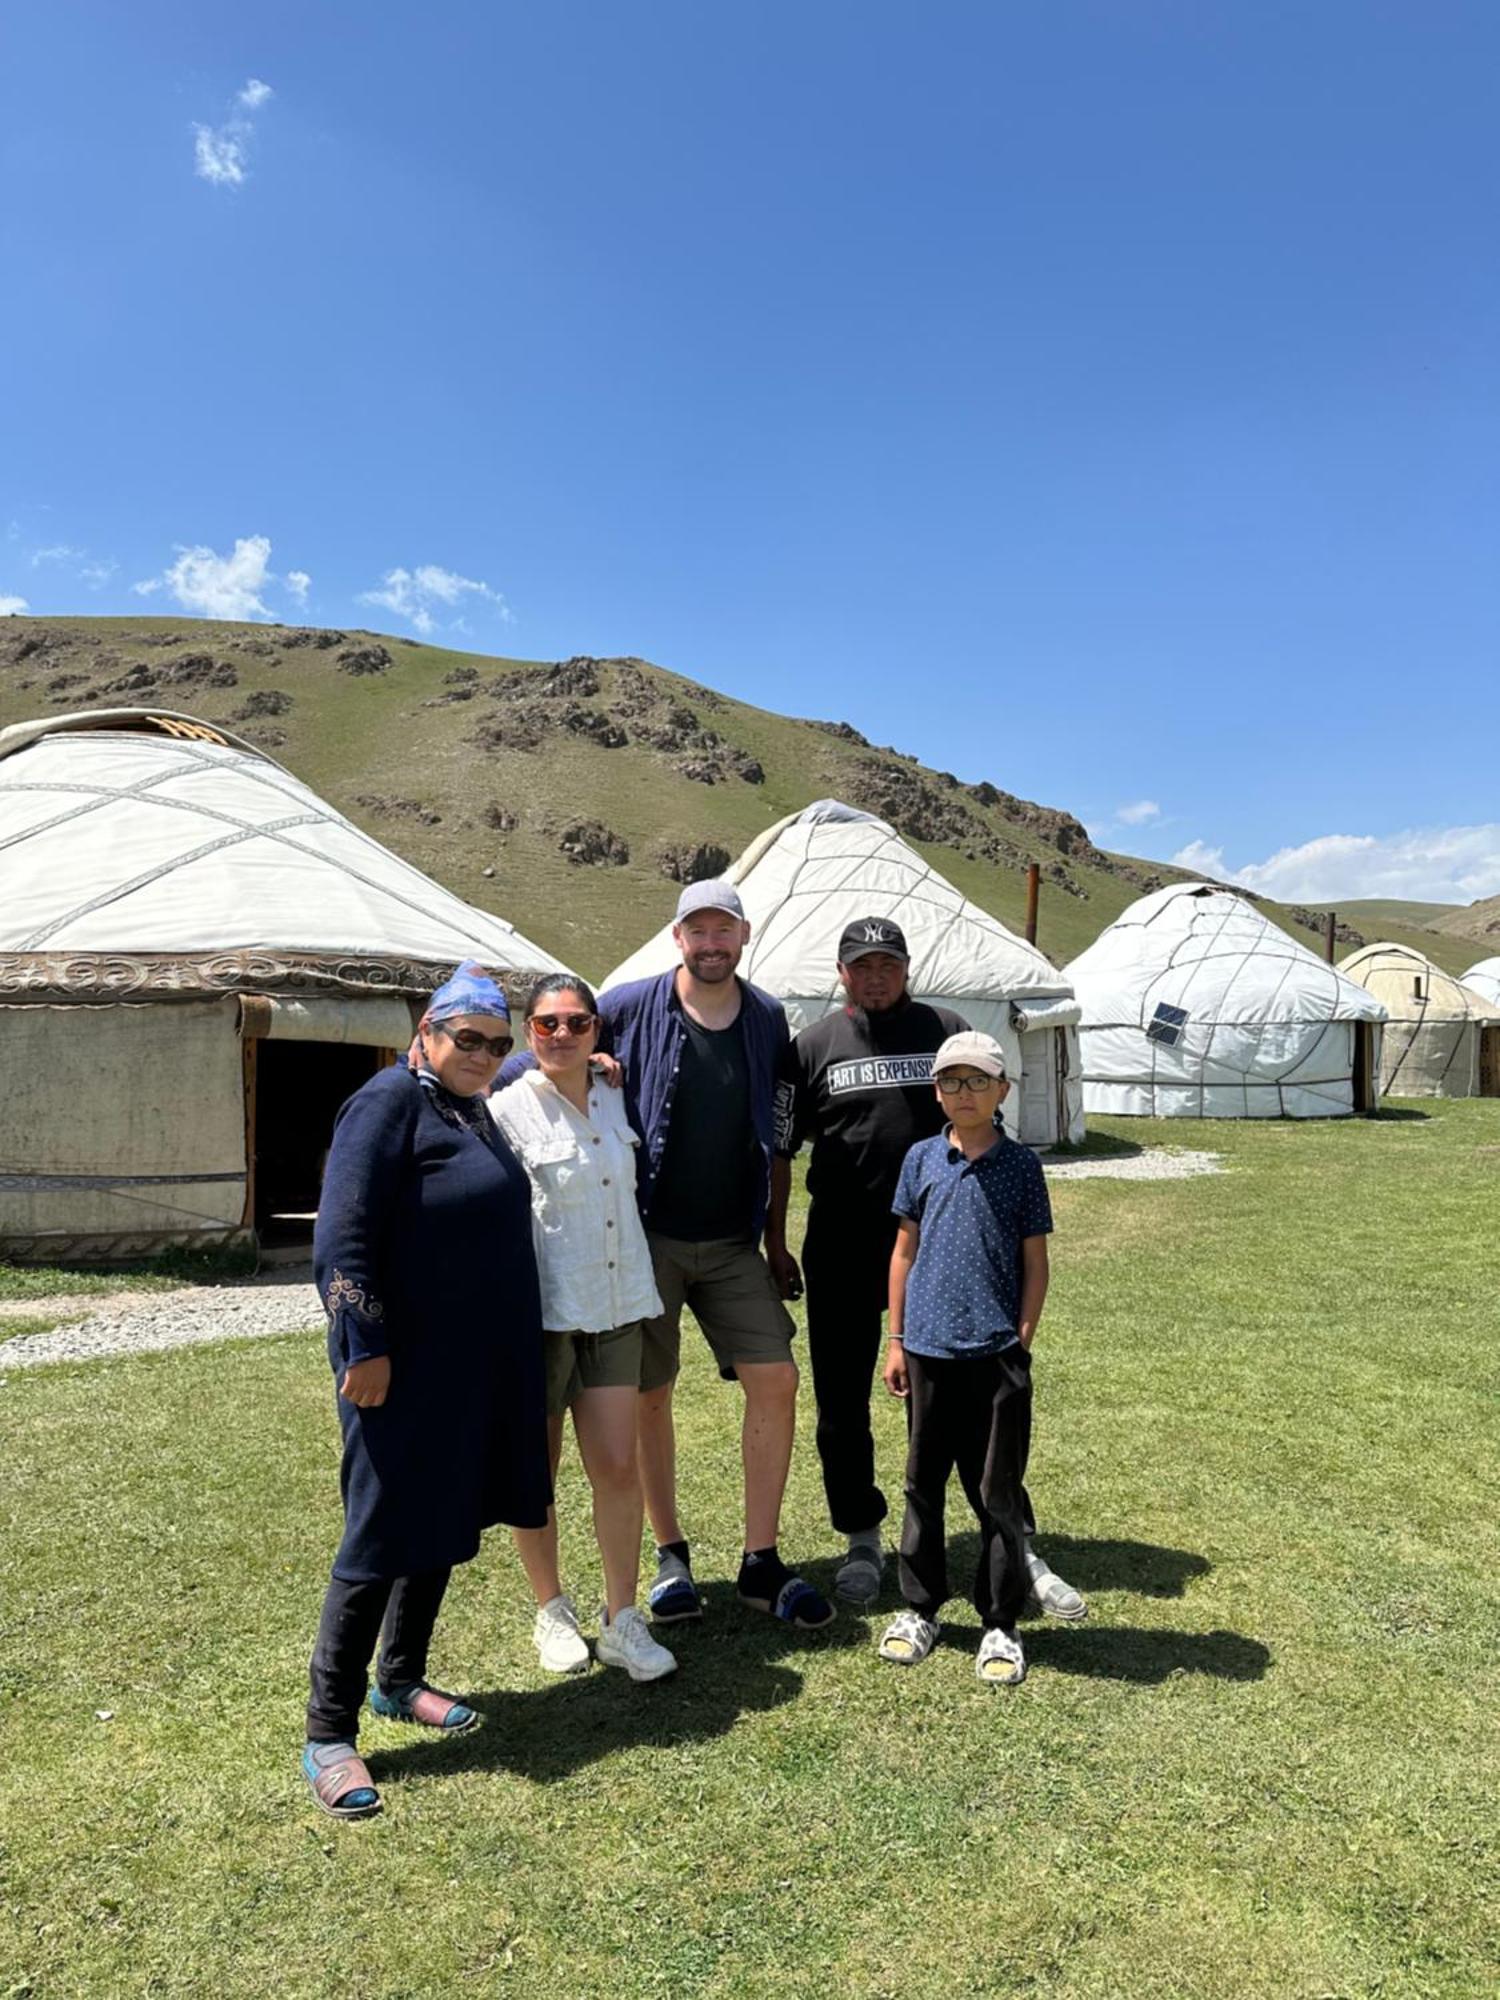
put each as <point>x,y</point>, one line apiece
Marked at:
<point>1478,923</point>
<point>571,796</point>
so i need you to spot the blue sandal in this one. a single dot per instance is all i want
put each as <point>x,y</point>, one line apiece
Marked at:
<point>796,1603</point>
<point>340,1780</point>
<point>428,1705</point>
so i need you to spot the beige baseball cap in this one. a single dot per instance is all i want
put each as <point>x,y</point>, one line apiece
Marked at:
<point>970,1050</point>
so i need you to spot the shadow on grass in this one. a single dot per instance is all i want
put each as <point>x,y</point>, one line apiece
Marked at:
<point>1142,1567</point>
<point>1136,1653</point>
<point>1096,1146</point>
<point>1388,1114</point>
<point>548,1733</point>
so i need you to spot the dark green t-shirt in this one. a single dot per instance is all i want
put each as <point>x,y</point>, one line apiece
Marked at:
<point>706,1186</point>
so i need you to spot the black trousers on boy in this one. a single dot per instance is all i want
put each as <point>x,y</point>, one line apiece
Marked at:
<point>846,1265</point>
<point>400,1611</point>
<point>973,1413</point>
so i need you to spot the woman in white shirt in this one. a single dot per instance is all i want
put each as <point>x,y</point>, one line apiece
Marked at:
<point>570,1132</point>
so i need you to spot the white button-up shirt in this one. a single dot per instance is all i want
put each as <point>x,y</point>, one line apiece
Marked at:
<point>591,1250</point>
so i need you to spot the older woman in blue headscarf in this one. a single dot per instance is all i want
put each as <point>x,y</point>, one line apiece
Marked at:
<point>424,1263</point>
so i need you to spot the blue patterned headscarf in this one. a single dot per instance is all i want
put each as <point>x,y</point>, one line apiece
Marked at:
<point>470,991</point>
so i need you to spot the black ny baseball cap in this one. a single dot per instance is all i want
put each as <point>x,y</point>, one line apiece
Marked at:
<point>869,934</point>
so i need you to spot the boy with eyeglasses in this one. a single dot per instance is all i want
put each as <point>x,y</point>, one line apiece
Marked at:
<point>968,1280</point>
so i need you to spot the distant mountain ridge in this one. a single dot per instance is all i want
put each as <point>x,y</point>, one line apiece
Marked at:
<point>569,796</point>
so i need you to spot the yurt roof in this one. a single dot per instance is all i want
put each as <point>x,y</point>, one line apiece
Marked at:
<point>1196,944</point>
<point>1484,978</point>
<point>139,847</point>
<point>1391,972</point>
<point>808,876</point>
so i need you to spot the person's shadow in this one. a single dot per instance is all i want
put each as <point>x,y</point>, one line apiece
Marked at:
<point>1145,1568</point>
<point>736,1662</point>
<point>1138,1653</point>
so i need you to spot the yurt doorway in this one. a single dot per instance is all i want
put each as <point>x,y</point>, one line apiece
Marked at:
<point>299,1087</point>
<point>1043,1086</point>
<point>1489,1062</point>
<point>1366,1093</point>
<point>303,1059</point>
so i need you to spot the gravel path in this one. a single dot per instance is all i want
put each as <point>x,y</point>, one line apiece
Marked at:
<point>282,1301</point>
<point>1156,1163</point>
<point>99,1325</point>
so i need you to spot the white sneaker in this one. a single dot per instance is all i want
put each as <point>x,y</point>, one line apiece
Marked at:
<point>1049,1594</point>
<point>627,1643</point>
<point>560,1645</point>
<point>1001,1661</point>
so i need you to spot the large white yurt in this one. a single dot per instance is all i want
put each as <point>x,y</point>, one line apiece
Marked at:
<point>1195,1005</point>
<point>808,876</point>
<point>1484,979</point>
<point>1443,1039</point>
<point>199,961</point>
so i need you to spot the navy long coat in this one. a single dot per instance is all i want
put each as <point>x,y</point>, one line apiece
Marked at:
<point>423,1251</point>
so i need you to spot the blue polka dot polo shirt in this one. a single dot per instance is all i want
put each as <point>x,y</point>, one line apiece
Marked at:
<point>963,1296</point>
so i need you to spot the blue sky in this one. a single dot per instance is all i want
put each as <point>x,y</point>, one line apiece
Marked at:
<point>1098,399</point>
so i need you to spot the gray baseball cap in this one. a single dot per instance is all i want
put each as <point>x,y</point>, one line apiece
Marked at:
<point>709,896</point>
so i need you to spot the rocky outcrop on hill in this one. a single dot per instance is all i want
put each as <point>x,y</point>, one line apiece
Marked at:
<point>845,731</point>
<point>264,701</point>
<point>697,861</point>
<point>390,808</point>
<point>571,698</point>
<point>588,844</point>
<point>1316,921</point>
<point>360,660</point>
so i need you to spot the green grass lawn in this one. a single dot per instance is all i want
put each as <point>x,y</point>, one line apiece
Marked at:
<point>1266,1766</point>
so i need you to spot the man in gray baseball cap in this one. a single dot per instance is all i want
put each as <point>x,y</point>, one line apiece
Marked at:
<point>701,1049</point>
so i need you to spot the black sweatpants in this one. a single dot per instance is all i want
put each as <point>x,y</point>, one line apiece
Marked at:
<point>975,1414</point>
<point>846,1266</point>
<point>400,1611</point>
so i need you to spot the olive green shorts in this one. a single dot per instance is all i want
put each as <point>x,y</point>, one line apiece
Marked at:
<point>577,1361</point>
<point>733,1297</point>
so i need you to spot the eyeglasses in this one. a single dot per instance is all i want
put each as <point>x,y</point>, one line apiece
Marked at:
<point>548,1025</point>
<point>471,1041</point>
<point>950,1086</point>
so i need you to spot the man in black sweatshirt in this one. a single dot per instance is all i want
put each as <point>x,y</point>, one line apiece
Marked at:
<point>858,1083</point>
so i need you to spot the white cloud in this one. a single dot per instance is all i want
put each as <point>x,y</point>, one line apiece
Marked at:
<point>1138,813</point>
<point>415,595</point>
<point>218,586</point>
<point>231,586</point>
<point>11,607</point>
<point>1200,859</point>
<point>59,552</point>
<point>1452,864</point>
<point>97,574</point>
<point>221,153</point>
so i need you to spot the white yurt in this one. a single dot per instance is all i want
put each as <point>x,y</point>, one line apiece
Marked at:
<point>1443,1039</point>
<point>1484,979</point>
<point>199,961</point>
<point>1195,1005</point>
<point>808,876</point>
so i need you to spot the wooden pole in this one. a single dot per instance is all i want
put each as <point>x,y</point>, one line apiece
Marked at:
<point>1033,891</point>
<point>1333,917</point>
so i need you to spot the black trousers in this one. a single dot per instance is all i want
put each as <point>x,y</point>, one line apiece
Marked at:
<point>401,1612</point>
<point>974,1414</point>
<point>846,1265</point>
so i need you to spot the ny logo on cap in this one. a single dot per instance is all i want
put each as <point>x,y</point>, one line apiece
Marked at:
<point>877,934</point>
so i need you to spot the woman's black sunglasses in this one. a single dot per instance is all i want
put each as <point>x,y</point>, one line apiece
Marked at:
<point>471,1041</point>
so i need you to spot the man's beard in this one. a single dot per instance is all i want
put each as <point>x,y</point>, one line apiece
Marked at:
<point>711,974</point>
